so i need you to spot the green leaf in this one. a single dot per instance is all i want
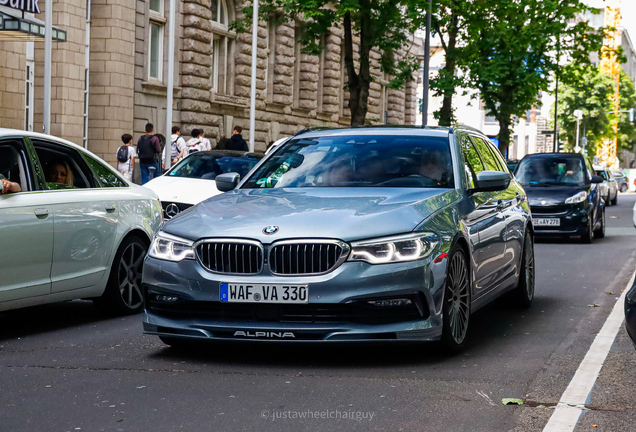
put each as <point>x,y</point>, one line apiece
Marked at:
<point>511,401</point>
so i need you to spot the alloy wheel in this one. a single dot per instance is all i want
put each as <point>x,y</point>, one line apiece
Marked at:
<point>529,267</point>
<point>129,275</point>
<point>457,298</point>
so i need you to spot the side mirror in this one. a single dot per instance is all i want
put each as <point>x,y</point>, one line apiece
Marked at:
<point>597,179</point>
<point>488,181</point>
<point>227,182</point>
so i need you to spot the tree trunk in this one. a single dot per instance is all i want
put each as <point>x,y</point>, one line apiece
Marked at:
<point>358,83</point>
<point>504,134</point>
<point>446,111</point>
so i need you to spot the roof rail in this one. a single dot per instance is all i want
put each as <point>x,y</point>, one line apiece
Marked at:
<point>313,128</point>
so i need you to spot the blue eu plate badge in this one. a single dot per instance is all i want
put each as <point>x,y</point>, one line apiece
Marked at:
<point>224,290</point>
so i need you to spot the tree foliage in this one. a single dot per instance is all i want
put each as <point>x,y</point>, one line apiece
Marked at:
<point>385,25</point>
<point>589,89</point>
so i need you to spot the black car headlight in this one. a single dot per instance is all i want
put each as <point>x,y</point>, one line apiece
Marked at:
<point>402,248</point>
<point>171,248</point>
<point>578,198</point>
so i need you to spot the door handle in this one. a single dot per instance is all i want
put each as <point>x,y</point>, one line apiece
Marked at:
<point>110,207</point>
<point>41,213</point>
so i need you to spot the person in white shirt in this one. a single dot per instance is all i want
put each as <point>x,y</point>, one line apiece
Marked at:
<point>178,147</point>
<point>194,144</point>
<point>205,143</point>
<point>126,155</point>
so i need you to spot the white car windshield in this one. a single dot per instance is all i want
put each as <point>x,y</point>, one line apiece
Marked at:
<point>208,165</point>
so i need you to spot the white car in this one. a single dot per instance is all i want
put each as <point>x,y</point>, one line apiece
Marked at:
<point>77,229</point>
<point>191,180</point>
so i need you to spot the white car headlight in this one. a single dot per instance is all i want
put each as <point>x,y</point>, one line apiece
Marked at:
<point>167,247</point>
<point>403,248</point>
<point>578,198</point>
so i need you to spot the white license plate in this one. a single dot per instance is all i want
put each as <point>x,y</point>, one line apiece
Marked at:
<point>546,221</point>
<point>262,293</point>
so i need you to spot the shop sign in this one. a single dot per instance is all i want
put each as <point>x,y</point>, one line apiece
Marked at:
<point>31,6</point>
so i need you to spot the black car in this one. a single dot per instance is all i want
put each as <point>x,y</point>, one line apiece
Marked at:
<point>512,164</point>
<point>621,180</point>
<point>564,196</point>
<point>630,313</point>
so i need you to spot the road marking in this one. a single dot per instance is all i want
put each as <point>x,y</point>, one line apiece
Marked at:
<point>577,394</point>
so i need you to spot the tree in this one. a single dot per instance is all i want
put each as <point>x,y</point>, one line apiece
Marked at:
<point>383,25</point>
<point>512,47</point>
<point>589,89</point>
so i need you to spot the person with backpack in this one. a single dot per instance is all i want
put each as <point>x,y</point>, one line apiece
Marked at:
<point>194,144</point>
<point>148,147</point>
<point>178,148</point>
<point>126,157</point>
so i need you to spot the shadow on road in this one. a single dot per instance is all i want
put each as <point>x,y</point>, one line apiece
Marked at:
<point>47,318</point>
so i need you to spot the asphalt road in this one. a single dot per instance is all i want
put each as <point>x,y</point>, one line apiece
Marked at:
<point>64,367</point>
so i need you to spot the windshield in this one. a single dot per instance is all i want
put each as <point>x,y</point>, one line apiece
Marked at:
<point>358,161</point>
<point>207,165</point>
<point>618,174</point>
<point>602,173</point>
<point>546,171</point>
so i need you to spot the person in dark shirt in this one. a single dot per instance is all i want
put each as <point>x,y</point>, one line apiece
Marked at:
<point>148,147</point>
<point>236,141</point>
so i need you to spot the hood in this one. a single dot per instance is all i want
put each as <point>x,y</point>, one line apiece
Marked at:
<point>182,189</point>
<point>341,213</point>
<point>552,195</point>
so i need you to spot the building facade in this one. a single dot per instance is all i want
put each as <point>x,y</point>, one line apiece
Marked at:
<point>109,76</point>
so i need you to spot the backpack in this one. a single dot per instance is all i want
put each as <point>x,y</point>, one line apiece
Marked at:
<point>145,149</point>
<point>122,154</point>
<point>175,149</point>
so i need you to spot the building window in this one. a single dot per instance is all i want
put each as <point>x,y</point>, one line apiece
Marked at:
<point>384,99</point>
<point>155,41</point>
<point>28,99</point>
<point>222,47</point>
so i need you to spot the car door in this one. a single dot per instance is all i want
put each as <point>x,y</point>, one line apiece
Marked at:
<point>486,222</point>
<point>26,226</point>
<point>85,217</point>
<point>510,201</point>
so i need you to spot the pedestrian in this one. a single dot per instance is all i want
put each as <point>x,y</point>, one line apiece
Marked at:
<point>148,147</point>
<point>205,143</point>
<point>126,157</point>
<point>178,147</point>
<point>194,144</point>
<point>236,141</point>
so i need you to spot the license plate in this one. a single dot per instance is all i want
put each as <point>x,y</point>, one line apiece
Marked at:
<point>261,293</point>
<point>547,222</point>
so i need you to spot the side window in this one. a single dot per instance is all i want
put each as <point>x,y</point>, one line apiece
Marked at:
<point>472,162</point>
<point>13,163</point>
<point>102,175</point>
<point>486,155</point>
<point>63,167</point>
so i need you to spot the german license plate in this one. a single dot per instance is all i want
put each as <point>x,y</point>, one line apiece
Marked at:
<point>262,293</point>
<point>546,221</point>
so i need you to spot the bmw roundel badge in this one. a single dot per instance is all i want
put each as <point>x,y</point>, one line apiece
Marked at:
<point>272,229</point>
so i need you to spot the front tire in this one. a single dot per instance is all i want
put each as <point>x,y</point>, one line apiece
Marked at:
<point>600,233</point>
<point>587,237</point>
<point>615,200</point>
<point>623,188</point>
<point>456,307</point>
<point>123,294</point>
<point>524,293</point>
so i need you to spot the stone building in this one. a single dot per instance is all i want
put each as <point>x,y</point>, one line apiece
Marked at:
<point>109,75</point>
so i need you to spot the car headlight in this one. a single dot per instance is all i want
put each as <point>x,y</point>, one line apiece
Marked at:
<point>403,248</point>
<point>578,198</point>
<point>167,247</point>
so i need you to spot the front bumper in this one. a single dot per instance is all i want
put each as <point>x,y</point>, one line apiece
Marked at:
<point>337,310</point>
<point>573,220</point>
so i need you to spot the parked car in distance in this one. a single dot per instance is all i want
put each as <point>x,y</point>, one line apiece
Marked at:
<point>192,179</point>
<point>564,197</point>
<point>621,180</point>
<point>364,234</point>
<point>76,230</point>
<point>630,313</point>
<point>512,164</point>
<point>609,186</point>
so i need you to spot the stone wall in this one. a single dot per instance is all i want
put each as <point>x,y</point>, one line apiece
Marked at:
<point>12,84</point>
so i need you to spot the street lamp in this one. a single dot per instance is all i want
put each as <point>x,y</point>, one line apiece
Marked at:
<point>579,115</point>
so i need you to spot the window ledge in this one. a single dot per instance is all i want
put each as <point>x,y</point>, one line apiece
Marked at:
<point>156,86</point>
<point>236,101</point>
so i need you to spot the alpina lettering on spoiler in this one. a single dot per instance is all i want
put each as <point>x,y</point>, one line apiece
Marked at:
<point>259,334</point>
